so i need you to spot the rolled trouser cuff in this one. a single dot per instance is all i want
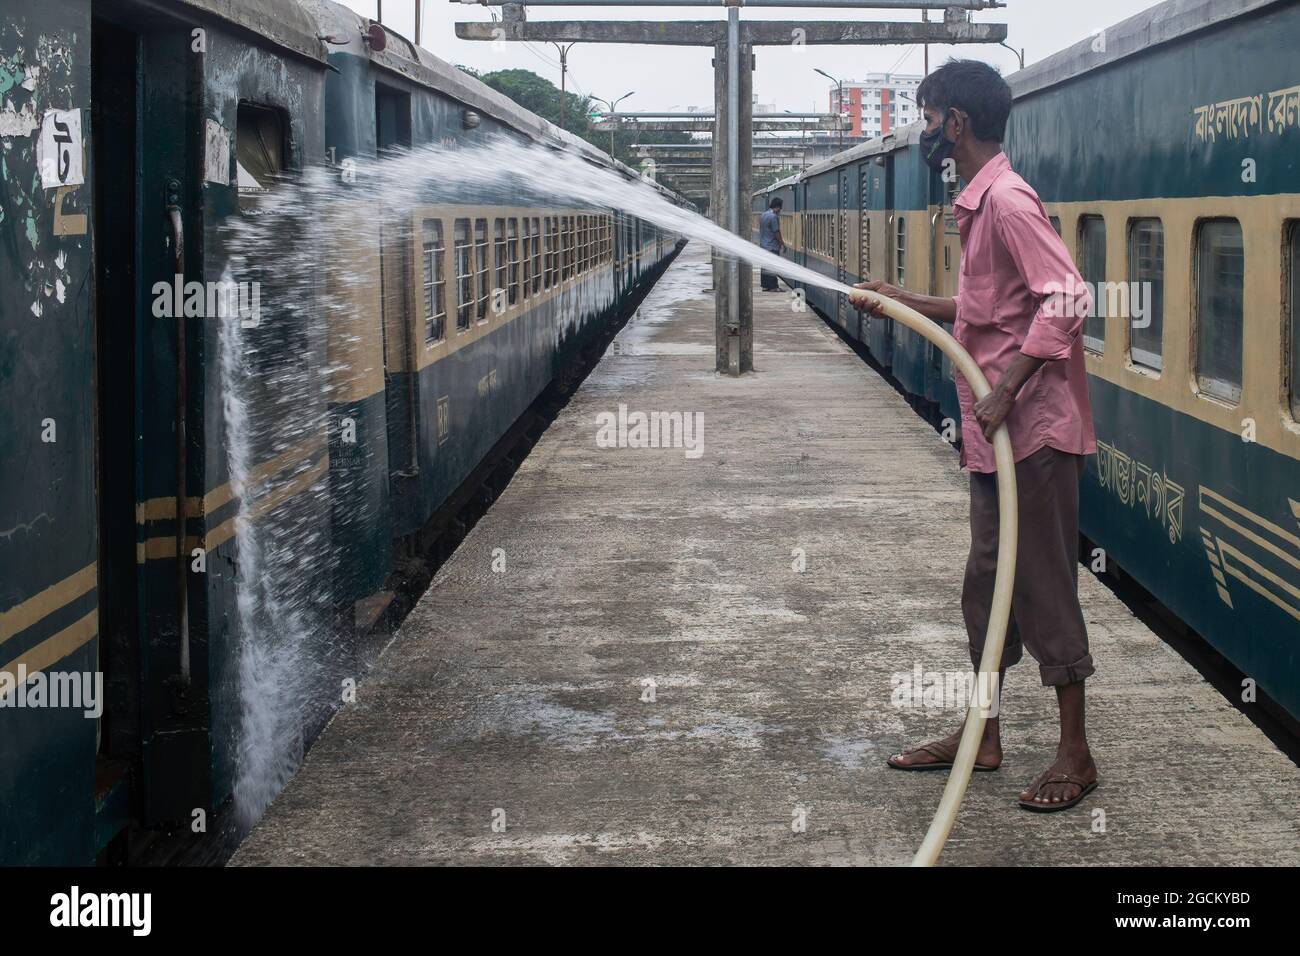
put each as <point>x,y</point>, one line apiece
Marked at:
<point>1058,675</point>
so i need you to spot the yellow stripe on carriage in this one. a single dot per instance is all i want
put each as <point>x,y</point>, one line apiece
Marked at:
<point>164,509</point>
<point>56,648</point>
<point>164,546</point>
<point>26,613</point>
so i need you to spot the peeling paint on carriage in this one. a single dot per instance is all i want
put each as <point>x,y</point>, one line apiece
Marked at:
<point>102,524</point>
<point>46,496</point>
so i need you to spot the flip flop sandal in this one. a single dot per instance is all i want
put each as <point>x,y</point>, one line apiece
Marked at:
<point>1085,789</point>
<point>944,760</point>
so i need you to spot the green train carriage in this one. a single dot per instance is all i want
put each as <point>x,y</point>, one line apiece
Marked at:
<point>181,104</point>
<point>1193,190</point>
<point>1159,168</point>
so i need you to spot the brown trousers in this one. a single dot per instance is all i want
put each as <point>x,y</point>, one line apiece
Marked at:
<point>1045,612</point>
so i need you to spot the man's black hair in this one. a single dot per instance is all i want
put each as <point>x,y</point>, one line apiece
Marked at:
<point>976,89</point>
<point>776,203</point>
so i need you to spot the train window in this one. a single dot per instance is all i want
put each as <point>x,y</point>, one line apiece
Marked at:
<point>1220,271</point>
<point>512,251</point>
<point>559,250</point>
<point>584,257</point>
<point>536,252</point>
<point>464,274</point>
<point>1146,274</point>
<point>551,252</point>
<point>435,308</point>
<point>1293,304</point>
<point>1056,223</point>
<point>562,253</point>
<point>481,269</point>
<point>392,119</point>
<point>259,152</point>
<point>500,260</point>
<point>545,243</point>
<point>525,255</point>
<point>900,252</point>
<point>579,237</point>
<point>1092,266</point>
<point>573,247</point>
<point>574,251</point>
<point>866,246</point>
<point>560,246</point>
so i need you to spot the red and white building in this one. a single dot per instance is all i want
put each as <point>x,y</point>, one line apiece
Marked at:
<point>878,104</point>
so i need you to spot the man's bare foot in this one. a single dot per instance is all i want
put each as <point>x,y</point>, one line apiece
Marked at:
<point>940,754</point>
<point>1070,777</point>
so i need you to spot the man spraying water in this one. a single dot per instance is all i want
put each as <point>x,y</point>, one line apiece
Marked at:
<point>1009,314</point>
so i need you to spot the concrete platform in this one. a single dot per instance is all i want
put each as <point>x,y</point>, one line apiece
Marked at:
<point>519,695</point>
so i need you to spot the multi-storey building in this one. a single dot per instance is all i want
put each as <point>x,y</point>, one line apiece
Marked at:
<point>877,104</point>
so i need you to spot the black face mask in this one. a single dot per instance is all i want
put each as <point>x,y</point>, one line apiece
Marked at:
<point>936,149</point>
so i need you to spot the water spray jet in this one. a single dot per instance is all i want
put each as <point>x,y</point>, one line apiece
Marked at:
<point>324,206</point>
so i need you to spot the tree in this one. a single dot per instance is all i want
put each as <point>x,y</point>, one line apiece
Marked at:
<point>541,96</point>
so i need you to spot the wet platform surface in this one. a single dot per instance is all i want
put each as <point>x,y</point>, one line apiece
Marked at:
<point>519,697</point>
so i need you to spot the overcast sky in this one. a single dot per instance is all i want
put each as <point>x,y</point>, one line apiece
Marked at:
<point>668,77</point>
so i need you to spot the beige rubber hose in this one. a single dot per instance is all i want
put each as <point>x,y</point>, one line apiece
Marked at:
<point>946,815</point>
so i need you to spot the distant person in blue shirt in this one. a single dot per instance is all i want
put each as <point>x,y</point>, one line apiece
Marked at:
<point>769,238</point>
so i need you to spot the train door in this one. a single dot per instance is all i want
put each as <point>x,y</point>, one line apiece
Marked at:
<point>864,222</point>
<point>880,331</point>
<point>947,268</point>
<point>842,309</point>
<point>401,368</point>
<point>115,62</point>
<point>143,165</point>
<point>934,366</point>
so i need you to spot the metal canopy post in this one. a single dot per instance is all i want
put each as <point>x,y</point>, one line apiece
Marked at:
<point>734,317</point>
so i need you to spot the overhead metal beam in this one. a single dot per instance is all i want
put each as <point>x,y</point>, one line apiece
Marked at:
<point>753,33</point>
<point>708,114</point>
<point>759,145</point>
<point>854,4</point>
<point>733,129</point>
<point>706,125</point>
<point>794,158</point>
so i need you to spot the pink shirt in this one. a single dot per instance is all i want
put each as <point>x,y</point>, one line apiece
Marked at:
<point>1020,292</point>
